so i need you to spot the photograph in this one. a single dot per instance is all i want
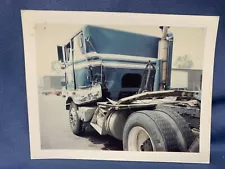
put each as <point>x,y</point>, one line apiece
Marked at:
<point>119,87</point>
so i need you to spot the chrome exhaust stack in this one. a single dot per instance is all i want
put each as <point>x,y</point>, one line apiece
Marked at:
<point>163,56</point>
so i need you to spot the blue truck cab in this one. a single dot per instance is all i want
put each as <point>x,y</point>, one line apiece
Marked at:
<point>105,63</point>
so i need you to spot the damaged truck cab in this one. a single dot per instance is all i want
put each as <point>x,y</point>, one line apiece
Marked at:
<point>119,82</point>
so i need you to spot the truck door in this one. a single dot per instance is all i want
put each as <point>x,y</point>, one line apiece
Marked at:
<point>78,47</point>
<point>70,79</point>
<point>79,61</point>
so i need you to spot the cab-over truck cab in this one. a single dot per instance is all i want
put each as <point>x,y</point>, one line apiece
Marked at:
<point>106,71</point>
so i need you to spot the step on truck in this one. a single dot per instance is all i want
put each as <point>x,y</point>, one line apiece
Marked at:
<point>118,82</point>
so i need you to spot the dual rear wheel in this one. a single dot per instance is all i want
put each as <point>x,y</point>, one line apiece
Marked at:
<point>157,130</point>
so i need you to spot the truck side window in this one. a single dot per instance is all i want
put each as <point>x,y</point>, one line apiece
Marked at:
<point>81,43</point>
<point>67,52</point>
<point>78,48</point>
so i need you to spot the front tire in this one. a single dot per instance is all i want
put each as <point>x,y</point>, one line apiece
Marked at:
<point>75,122</point>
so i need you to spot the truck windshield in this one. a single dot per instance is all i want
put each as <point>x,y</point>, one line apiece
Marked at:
<point>82,78</point>
<point>96,74</point>
<point>89,46</point>
<point>87,76</point>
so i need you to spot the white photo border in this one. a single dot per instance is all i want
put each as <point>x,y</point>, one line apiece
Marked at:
<point>32,17</point>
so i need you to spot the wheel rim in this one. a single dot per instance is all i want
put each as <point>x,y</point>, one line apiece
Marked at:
<point>73,117</point>
<point>139,140</point>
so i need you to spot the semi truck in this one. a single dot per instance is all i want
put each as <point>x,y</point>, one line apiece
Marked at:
<point>118,82</point>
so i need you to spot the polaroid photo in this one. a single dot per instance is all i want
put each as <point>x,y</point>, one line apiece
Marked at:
<point>119,86</point>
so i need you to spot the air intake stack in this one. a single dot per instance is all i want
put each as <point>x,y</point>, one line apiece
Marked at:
<point>163,56</point>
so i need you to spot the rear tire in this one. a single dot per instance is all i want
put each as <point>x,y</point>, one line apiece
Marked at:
<point>195,146</point>
<point>75,122</point>
<point>184,135</point>
<point>156,132</point>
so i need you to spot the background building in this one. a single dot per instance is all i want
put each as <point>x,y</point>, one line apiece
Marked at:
<point>52,82</point>
<point>189,79</point>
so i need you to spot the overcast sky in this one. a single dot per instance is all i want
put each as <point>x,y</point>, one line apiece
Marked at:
<point>187,41</point>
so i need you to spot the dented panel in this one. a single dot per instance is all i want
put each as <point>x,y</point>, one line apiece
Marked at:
<point>86,95</point>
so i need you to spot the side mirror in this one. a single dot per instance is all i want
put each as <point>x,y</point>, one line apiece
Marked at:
<point>60,53</point>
